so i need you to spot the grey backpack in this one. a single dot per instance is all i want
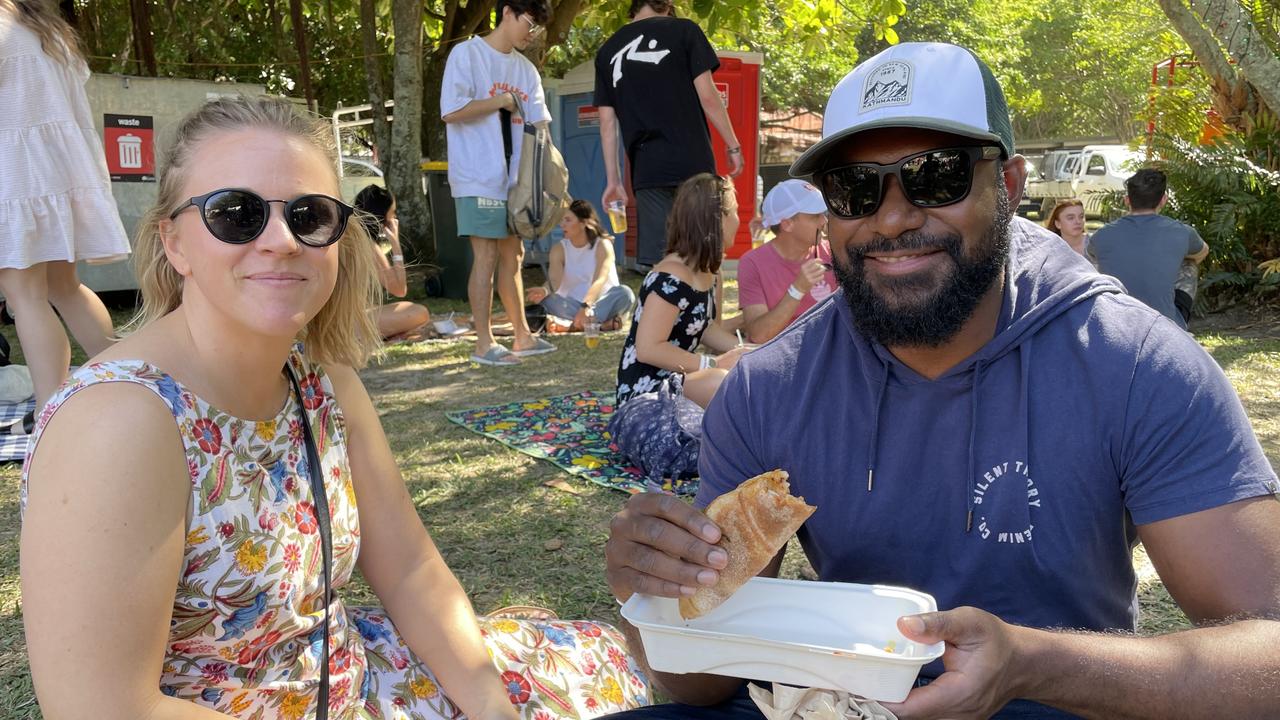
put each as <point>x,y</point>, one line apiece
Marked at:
<point>538,199</point>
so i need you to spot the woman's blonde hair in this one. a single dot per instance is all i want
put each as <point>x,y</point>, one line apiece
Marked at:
<point>344,331</point>
<point>57,38</point>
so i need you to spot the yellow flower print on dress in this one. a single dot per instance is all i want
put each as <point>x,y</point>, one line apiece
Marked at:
<point>251,558</point>
<point>294,706</point>
<point>505,626</point>
<point>265,430</point>
<point>240,703</point>
<point>610,691</point>
<point>197,536</point>
<point>422,687</point>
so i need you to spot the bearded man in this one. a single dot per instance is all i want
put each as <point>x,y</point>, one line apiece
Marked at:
<point>978,415</point>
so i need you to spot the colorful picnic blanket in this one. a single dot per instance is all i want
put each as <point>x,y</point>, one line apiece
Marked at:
<point>570,432</point>
<point>13,448</point>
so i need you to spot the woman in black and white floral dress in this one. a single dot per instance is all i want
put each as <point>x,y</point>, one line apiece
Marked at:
<point>663,384</point>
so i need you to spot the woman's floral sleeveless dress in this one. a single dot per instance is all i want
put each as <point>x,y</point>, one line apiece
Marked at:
<point>247,617</point>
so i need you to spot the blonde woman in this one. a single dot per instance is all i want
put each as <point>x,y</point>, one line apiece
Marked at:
<point>55,195</point>
<point>172,542</point>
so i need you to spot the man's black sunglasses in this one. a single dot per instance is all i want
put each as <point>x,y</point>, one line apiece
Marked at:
<point>929,179</point>
<point>239,216</point>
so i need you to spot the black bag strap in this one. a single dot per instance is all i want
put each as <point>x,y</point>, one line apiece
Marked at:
<point>321,501</point>
<point>504,117</point>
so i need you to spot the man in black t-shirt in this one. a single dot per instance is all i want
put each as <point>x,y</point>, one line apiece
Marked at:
<point>653,76</point>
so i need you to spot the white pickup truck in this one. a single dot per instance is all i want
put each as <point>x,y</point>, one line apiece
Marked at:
<point>1089,174</point>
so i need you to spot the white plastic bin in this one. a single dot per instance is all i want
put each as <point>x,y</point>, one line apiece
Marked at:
<point>809,634</point>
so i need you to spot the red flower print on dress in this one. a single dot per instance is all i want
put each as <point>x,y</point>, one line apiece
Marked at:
<point>267,520</point>
<point>312,393</point>
<point>339,661</point>
<point>292,557</point>
<point>617,658</point>
<point>588,629</point>
<point>305,516</point>
<point>257,646</point>
<point>399,660</point>
<point>592,704</point>
<point>542,715</point>
<point>589,667</point>
<point>214,673</point>
<point>207,435</point>
<point>226,529</point>
<point>517,687</point>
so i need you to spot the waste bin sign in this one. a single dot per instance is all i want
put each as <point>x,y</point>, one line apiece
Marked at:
<point>453,254</point>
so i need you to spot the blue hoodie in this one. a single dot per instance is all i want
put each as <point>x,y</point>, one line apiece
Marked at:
<point>1013,481</point>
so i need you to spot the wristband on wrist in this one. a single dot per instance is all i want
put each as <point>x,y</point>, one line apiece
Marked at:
<point>706,361</point>
<point>794,293</point>
<point>735,150</point>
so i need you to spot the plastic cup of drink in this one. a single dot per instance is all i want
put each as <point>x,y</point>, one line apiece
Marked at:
<point>591,334</point>
<point>618,216</point>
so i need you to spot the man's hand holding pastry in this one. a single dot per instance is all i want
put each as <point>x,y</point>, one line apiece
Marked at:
<point>659,545</point>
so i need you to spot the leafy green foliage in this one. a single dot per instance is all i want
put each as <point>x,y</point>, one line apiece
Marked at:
<point>1230,191</point>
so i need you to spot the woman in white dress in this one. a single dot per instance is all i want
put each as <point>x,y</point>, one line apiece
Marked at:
<point>55,195</point>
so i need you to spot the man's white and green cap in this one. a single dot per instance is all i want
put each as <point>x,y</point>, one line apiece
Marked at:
<point>933,86</point>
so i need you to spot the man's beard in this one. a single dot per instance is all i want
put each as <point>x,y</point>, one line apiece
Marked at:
<point>939,315</point>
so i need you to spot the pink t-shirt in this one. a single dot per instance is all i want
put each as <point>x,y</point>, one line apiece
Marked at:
<point>764,276</point>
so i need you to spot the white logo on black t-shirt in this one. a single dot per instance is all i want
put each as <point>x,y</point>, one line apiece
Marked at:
<point>1010,480</point>
<point>632,51</point>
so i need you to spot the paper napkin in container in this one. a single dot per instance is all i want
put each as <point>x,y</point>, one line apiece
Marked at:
<point>792,703</point>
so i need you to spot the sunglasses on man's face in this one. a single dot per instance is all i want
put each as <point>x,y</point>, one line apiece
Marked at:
<point>239,216</point>
<point>929,179</point>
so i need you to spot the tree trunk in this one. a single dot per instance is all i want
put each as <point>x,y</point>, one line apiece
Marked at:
<point>277,24</point>
<point>1206,27</point>
<point>300,40</point>
<point>373,78</point>
<point>1234,30</point>
<point>144,44</point>
<point>434,143</point>
<point>404,173</point>
<point>563,14</point>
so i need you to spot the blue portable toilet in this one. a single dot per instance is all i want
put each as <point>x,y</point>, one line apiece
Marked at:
<point>578,137</point>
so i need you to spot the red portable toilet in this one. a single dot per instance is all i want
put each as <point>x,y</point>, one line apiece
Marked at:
<point>738,81</point>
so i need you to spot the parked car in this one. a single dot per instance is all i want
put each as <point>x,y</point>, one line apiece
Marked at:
<point>1093,174</point>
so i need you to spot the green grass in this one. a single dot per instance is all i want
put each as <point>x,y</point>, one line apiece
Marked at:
<point>510,538</point>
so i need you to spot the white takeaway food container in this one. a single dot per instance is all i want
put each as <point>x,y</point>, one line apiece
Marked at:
<point>809,634</point>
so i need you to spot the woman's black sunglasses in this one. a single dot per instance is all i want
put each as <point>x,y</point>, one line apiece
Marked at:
<point>239,216</point>
<point>930,179</point>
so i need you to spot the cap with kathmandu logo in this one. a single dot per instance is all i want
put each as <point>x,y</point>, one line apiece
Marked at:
<point>934,86</point>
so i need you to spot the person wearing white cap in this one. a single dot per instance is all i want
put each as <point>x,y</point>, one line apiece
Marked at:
<point>792,272</point>
<point>978,415</point>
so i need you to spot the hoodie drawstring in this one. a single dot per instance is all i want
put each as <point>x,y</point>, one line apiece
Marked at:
<point>973,436</point>
<point>874,441</point>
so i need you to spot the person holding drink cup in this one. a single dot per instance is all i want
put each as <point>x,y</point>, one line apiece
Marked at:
<point>582,276</point>
<point>663,384</point>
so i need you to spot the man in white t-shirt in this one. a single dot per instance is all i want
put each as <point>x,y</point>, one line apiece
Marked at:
<point>483,76</point>
<point>792,272</point>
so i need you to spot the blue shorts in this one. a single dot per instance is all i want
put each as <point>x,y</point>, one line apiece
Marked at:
<point>482,217</point>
